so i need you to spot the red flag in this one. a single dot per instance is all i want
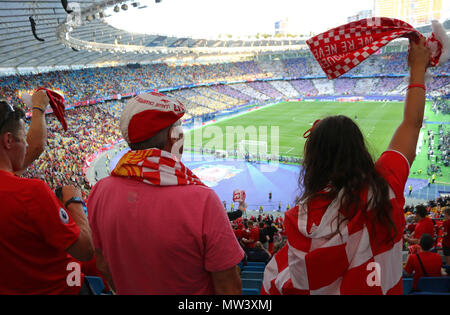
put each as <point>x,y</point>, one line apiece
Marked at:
<point>57,105</point>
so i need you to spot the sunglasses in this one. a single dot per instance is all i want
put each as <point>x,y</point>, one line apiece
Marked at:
<point>8,114</point>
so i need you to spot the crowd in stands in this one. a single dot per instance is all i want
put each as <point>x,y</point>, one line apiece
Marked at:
<point>98,83</point>
<point>267,89</point>
<point>87,84</point>
<point>89,129</point>
<point>434,210</point>
<point>427,239</point>
<point>260,236</point>
<point>305,87</point>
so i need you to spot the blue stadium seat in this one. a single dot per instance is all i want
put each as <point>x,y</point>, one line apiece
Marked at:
<point>246,291</point>
<point>254,268</point>
<point>252,275</point>
<point>96,284</point>
<point>434,284</point>
<point>407,285</point>
<point>256,263</point>
<point>252,283</point>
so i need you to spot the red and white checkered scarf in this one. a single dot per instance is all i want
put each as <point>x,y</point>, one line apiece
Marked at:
<point>342,48</point>
<point>155,167</point>
<point>322,261</point>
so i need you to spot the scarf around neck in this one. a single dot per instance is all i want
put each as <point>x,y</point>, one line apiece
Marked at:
<point>155,167</point>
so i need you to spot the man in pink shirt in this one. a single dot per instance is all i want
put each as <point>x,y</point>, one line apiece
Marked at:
<point>156,227</point>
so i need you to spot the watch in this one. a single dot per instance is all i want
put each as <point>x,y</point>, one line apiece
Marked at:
<point>74,200</point>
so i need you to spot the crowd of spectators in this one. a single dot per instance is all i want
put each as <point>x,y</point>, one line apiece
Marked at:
<point>98,83</point>
<point>89,129</point>
<point>92,127</point>
<point>267,89</point>
<point>427,230</point>
<point>260,236</point>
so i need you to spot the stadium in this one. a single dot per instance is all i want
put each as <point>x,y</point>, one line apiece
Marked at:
<point>249,102</point>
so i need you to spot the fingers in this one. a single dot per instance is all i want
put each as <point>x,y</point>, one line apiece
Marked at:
<point>418,41</point>
<point>40,99</point>
<point>419,54</point>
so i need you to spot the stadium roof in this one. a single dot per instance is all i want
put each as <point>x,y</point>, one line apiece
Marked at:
<point>43,49</point>
<point>20,48</point>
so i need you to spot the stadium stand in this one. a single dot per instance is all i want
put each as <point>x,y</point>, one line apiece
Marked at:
<point>285,88</point>
<point>94,96</point>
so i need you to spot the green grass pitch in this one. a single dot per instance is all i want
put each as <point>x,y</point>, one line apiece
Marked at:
<point>377,120</point>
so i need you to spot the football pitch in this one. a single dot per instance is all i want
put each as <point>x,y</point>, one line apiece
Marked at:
<point>279,128</point>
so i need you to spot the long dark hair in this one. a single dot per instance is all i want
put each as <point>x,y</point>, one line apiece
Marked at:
<point>335,159</point>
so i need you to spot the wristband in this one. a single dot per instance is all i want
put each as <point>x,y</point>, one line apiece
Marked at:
<point>417,85</point>
<point>74,200</point>
<point>39,109</point>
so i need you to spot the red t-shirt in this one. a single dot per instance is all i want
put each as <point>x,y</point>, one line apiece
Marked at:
<point>424,226</point>
<point>446,239</point>
<point>35,231</point>
<point>155,243</point>
<point>254,235</point>
<point>411,227</point>
<point>432,263</point>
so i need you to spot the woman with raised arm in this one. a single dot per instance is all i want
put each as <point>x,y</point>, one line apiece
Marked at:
<point>345,233</point>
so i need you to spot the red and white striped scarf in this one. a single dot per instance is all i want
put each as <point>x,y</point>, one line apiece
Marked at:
<point>342,48</point>
<point>155,167</point>
<point>319,260</point>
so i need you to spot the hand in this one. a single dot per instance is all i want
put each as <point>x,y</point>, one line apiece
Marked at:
<point>70,191</point>
<point>419,55</point>
<point>40,99</point>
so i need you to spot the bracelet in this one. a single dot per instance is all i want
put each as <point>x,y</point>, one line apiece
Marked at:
<point>417,85</point>
<point>40,109</point>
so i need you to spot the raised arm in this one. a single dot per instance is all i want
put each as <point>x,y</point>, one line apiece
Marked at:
<point>405,137</point>
<point>37,133</point>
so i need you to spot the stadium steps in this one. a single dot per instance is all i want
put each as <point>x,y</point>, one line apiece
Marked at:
<point>252,276</point>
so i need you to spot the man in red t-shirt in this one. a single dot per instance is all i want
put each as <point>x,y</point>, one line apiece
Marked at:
<point>38,235</point>
<point>252,235</point>
<point>424,225</point>
<point>425,263</point>
<point>446,238</point>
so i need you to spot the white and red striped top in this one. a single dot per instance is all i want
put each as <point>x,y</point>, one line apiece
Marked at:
<point>358,260</point>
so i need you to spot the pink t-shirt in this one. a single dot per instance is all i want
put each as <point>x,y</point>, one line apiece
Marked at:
<point>161,240</point>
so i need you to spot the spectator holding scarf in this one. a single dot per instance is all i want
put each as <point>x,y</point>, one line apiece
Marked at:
<point>39,237</point>
<point>150,190</point>
<point>345,234</point>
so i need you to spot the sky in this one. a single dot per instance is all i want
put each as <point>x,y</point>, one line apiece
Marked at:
<point>209,18</point>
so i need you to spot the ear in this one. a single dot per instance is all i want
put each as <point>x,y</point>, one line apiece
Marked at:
<point>7,139</point>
